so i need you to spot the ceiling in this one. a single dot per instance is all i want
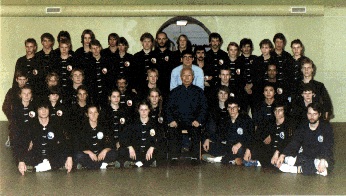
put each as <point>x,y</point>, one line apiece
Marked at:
<point>332,3</point>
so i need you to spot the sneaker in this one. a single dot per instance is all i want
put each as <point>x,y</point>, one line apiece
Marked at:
<point>30,168</point>
<point>115,164</point>
<point>139,164</point>
<point>250,163</point>
<point>128,164</point>
<point>79,166</point>
<point>206,157</point>
<point>288,168</point>
<point>104,165</point>
<point>153,164</point>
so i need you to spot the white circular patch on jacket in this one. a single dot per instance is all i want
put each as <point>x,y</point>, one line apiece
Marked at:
<point>221,62</point>
<point>59,113</point>
<point>122,121</point>
<point>104,70</point>
<point>69,68</point>
<point>153,60</point>
<point>279,91</point>
<point>32,114</point>
<point>240,131</point>
<point>166,58</point>
<point>320,138</point>
<point>50,135</point>
<point>282,135</point>
<point>231,94</point>
<point>152,132</point>
<point>127,63</point>
<point>129,103</point>
<point>160,120</point>
<point>99,135</point>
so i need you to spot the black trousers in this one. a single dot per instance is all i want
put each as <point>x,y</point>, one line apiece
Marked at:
<point>175,138</point>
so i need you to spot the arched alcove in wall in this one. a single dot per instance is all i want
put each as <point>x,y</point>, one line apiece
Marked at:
<point>196,31</point>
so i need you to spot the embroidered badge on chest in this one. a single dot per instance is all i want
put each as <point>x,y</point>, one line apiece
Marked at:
<point>279,91</point>
<point>320,138</point>
<point>127,64</point>
<point>50,135</point>
<point>69,68</point>
<point>240,131</point>
<point>282,135</point>
<point>153,60</point>
<point>220,62</point>
<point>59,113</point>
<point>104,70</point>
<point>166,58</point>
<point>122,121</point>
<point>129,103</point>
<point>152,132</point>
<point>32,114</point>
<point>99,135</point>
<point>160,120</point>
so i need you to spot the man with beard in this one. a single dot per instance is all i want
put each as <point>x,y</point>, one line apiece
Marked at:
<point>199,60</point>
<point>317,139</point>
<point>163,57</point>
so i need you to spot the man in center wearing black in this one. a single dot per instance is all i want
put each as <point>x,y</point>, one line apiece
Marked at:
<point>186,110</point>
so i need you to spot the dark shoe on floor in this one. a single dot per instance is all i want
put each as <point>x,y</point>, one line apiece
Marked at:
<point>173,162</point>
<point>128,164</point>
<point>114,164</point>
<point>153,164</point>
<point>195,162</point>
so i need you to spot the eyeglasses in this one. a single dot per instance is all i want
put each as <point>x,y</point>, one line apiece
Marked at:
<point>232,108</point>
<point>187,57</point>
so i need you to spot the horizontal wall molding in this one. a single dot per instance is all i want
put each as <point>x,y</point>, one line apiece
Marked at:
<point>158,10</point>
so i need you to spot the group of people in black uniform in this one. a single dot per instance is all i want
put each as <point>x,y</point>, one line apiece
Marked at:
<point>99,108</point>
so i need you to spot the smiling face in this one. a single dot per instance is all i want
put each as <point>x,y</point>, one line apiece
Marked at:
<point>186,77</point>
<point>233,51</point>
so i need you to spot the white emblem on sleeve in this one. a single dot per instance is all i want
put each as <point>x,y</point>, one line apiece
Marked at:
<point>240,131</point>
<point>152,132</point>
<point>99,135</point>
<point>320,138</point>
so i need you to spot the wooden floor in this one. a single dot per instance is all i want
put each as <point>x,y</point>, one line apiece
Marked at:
<point>206,179</point>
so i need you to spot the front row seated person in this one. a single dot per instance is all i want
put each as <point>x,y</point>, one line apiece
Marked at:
<point>186,110</point>
<point>141,138</point>
<point>49,148</point>
<point>233,137</point>
<point>271,137</point>
<point>96,148</point>
<point>316,138</point>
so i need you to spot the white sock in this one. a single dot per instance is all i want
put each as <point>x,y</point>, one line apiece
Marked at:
<point>290,160</point>
<point>288,168</point>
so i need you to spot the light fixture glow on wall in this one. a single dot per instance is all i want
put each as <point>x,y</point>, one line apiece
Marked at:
<point>181,22</point>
